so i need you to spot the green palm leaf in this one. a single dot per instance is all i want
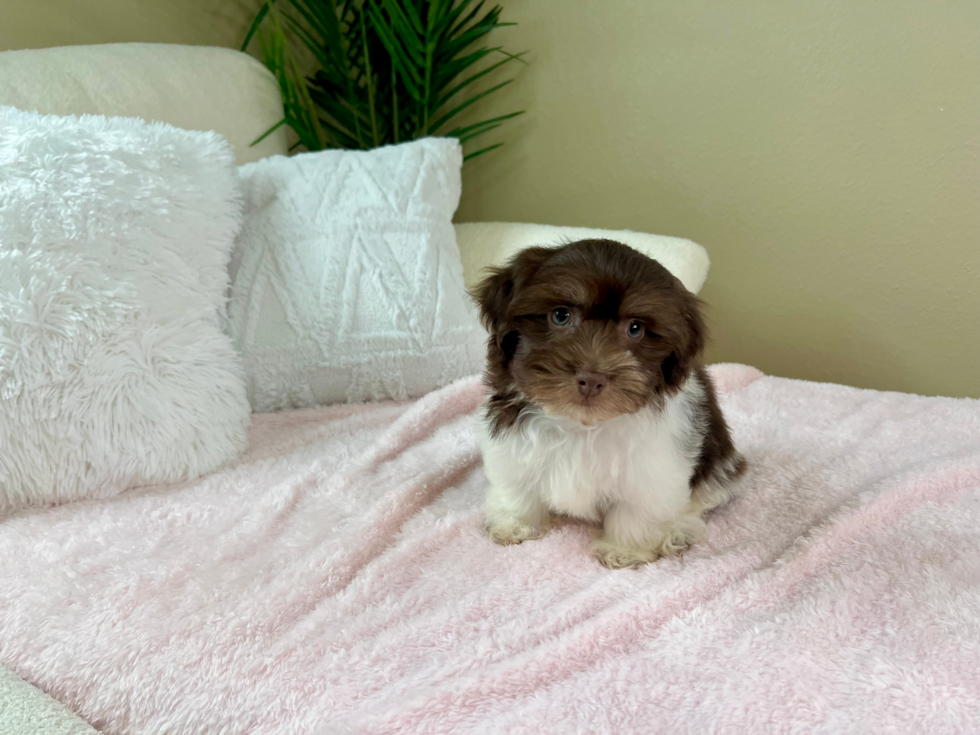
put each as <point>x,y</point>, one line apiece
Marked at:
<point>383,71</point>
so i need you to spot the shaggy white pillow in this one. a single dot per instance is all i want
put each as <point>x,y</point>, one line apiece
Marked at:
<point>114,241</point>
<point>347,283</point>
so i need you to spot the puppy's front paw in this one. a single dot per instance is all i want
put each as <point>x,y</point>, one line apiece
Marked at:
<point>613,556</point>
<point>515,534</point>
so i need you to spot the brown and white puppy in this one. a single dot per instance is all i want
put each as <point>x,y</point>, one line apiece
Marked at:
<point>599,406</point>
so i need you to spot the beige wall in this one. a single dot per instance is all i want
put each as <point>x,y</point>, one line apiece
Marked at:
<point>43,23</point>
<point>825,153</point>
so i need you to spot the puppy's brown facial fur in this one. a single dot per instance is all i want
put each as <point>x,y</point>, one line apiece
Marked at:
<point>589,331</point>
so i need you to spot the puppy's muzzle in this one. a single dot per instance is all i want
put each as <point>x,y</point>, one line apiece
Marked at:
<point>590,384</point>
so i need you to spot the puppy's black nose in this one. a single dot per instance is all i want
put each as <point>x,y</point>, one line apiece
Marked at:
<point>591,384</point>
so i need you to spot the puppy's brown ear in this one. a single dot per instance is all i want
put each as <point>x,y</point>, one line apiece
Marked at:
<point>495,293</point>
<point>690,336</point>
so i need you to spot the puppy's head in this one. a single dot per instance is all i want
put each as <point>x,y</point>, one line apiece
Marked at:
<point>589,331</point>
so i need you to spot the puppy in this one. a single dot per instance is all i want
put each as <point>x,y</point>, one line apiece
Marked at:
<point>600,408</point>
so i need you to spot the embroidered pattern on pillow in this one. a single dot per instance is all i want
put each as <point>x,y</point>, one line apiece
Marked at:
<point>347,281</point>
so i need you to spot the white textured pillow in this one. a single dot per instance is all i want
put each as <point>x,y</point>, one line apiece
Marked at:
<point>114,241</point>
<point>346,282</point>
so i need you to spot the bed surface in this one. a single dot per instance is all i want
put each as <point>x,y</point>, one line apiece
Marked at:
<point>337,580</point>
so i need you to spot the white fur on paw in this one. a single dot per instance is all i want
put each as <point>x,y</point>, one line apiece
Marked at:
<point>672,541</point>
<point>612,556</point>
<point>507,535</point>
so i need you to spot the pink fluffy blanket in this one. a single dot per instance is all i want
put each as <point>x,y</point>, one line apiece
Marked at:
<point>337,580</point>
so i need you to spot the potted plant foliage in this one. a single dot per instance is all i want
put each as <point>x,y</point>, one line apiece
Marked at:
<point>383,71</point>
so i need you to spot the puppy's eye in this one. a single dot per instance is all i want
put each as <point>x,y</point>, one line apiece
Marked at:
<point>561,316</point>
<point>635,329</point>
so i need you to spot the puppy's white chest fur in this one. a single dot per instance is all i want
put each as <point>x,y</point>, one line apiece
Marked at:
<point>641,462</point>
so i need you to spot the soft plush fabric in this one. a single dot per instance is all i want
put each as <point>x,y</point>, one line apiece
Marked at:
<point>346,282</point>
<point>115,237</point>
<point>338,580</point>
<point>190,87</point>
<point>482,244</point>
<point>26,710</point>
